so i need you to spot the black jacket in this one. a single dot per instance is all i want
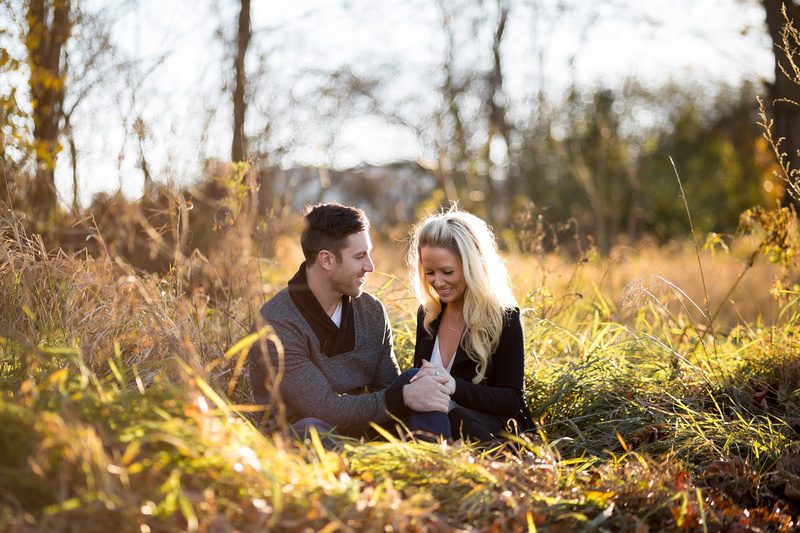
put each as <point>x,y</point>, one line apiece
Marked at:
<point>500,391</point>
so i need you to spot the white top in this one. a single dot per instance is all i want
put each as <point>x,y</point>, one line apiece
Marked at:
<point>337,314</point>
<point>436,358</point>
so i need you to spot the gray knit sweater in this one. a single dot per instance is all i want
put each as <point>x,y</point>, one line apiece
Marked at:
<point>347,391</point>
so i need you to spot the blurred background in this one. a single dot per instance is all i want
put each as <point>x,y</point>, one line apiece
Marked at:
<point>556,117</point>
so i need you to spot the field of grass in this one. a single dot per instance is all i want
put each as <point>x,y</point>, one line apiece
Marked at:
<point>124,402</point>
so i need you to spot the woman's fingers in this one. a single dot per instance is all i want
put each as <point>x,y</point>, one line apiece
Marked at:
<point>429,369</point>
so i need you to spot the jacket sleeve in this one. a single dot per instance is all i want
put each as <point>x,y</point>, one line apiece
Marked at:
<point>387,372</point>
<point>500,392</point>
<point>387,369</point>
<point>420,343</point>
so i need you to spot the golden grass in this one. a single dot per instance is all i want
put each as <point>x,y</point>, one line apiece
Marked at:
<point>123,406</point>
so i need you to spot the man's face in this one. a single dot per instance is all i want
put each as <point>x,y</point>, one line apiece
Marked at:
<point>349,273</point>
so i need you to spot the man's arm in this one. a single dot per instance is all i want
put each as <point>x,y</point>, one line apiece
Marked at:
<point>387,368</point>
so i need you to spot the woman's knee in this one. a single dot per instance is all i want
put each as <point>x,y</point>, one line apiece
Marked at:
<point>458,417</point>
<point>458,413</point>
<point>469,425</point>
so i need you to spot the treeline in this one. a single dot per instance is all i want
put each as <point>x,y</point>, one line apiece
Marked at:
<point>602,165</point>
<point>607,169</point>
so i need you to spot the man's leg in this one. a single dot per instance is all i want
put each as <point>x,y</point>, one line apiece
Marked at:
<point>301,430</point>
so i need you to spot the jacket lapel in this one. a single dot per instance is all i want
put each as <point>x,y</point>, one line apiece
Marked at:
<point>427,341</point>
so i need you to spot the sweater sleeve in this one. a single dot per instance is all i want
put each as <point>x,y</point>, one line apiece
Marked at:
<point>388,370</point>
<point>420,338</point>
<point>500,392</point>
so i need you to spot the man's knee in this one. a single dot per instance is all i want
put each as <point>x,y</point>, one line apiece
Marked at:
<point>301,428</point>
<point>405,377</point>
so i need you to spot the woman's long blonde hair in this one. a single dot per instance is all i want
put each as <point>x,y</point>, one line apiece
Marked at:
<point>488,296</point>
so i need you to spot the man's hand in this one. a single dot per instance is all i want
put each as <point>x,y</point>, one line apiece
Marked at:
<point>426,395</point>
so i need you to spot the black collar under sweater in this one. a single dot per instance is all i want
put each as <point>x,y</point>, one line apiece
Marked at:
<point>332,340</point>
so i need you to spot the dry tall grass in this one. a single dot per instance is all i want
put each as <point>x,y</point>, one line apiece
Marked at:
<point>123,406</point>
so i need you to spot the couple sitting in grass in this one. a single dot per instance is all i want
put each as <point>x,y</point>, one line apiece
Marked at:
<point>328,361</point>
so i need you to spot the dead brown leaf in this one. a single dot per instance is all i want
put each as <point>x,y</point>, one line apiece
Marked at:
<point>648,435</point>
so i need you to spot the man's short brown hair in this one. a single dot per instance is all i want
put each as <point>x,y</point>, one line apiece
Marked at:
<point>327,227</point>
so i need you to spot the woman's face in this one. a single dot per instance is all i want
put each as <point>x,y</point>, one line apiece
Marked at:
<point>443,272</point>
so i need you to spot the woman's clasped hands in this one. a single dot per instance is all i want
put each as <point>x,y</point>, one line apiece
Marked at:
<point>438,373</point>
<point>432,394</point>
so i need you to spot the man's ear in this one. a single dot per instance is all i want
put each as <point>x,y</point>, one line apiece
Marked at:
<point>325,259</point>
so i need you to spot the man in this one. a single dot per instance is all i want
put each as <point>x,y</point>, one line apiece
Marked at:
<point>333,360</point>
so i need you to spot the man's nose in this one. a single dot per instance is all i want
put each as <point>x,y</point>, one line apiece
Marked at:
<point>369,266</point>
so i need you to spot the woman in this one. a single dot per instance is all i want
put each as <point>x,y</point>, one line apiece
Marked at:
<point>469,332</point>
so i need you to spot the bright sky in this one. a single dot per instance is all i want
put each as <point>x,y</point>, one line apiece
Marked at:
<point>188,117</point>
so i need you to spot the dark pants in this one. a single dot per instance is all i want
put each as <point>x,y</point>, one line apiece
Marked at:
<point>329,437</point>
<point>424,426</point>
<point>476,426</point>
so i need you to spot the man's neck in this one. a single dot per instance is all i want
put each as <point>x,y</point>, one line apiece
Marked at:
<point>326,297</point>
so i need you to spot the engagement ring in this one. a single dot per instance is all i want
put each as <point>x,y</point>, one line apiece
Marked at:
<point>436,373</point>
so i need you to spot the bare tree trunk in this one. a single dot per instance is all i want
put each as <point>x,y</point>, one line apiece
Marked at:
<point>140,128</point>
<point>73,155</point>
<point>498,123</point>
<point>49,28</point>
<point>238,148</point>
<point>785,93</point>
<point>452,145</point>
